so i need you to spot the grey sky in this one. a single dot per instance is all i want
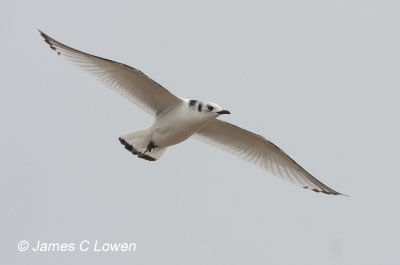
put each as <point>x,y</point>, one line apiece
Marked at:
<point>318,78</point>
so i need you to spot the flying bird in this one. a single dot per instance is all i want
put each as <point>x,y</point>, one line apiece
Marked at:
<point>177,119</point>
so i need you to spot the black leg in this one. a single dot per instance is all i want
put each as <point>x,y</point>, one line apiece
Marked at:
<point>150,147</point>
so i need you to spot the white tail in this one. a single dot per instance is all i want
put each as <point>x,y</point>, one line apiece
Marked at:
<point>138,142</point>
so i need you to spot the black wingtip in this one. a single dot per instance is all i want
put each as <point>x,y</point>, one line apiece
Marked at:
<point>326,192</point>
<point>47,39</point>
<point>44,35</point>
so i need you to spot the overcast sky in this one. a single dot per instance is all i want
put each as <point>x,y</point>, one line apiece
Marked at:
<point>320,79</point>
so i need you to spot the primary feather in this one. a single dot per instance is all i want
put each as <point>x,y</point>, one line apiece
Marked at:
<point>258,150</point>
<point>126,80</point>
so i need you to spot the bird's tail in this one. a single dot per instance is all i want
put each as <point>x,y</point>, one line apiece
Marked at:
<point>138,143</point>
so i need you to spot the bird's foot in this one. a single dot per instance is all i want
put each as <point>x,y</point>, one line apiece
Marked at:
<point>150,147</point>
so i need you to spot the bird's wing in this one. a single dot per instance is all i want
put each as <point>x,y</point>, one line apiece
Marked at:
<point>256,149</point>
<point>128,81</point>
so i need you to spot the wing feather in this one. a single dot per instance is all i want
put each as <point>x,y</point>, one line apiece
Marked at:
<point>126,80</point>
<point>256,149</point>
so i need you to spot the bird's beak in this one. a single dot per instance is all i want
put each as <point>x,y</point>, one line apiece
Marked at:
<point>224,112</point>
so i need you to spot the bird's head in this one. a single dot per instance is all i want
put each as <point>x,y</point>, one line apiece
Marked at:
<point>207,107</point>
<point>215,108</point>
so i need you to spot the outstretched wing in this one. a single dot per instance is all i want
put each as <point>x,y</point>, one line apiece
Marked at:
<point>128,81</point>
<point>256,149</point>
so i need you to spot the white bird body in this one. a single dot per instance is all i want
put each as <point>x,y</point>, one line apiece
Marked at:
<point>177,125</point>
<point>177,119</point>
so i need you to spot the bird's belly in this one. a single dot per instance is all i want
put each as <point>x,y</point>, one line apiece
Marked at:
<point>173,131</point>
<point>169,138</point>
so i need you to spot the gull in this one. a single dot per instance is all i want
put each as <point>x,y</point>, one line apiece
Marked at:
<point>177,119</point>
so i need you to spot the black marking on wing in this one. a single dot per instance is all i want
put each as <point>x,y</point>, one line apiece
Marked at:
<point>323,186</point>
<point>131,149</point>
<point>49,41</point>
<point>323,191</point>
<point>286,155</point>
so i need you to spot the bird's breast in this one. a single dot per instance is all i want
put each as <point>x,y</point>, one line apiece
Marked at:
<point>176,126</point>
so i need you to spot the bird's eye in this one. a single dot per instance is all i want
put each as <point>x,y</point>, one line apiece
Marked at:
<point>210,108</point>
